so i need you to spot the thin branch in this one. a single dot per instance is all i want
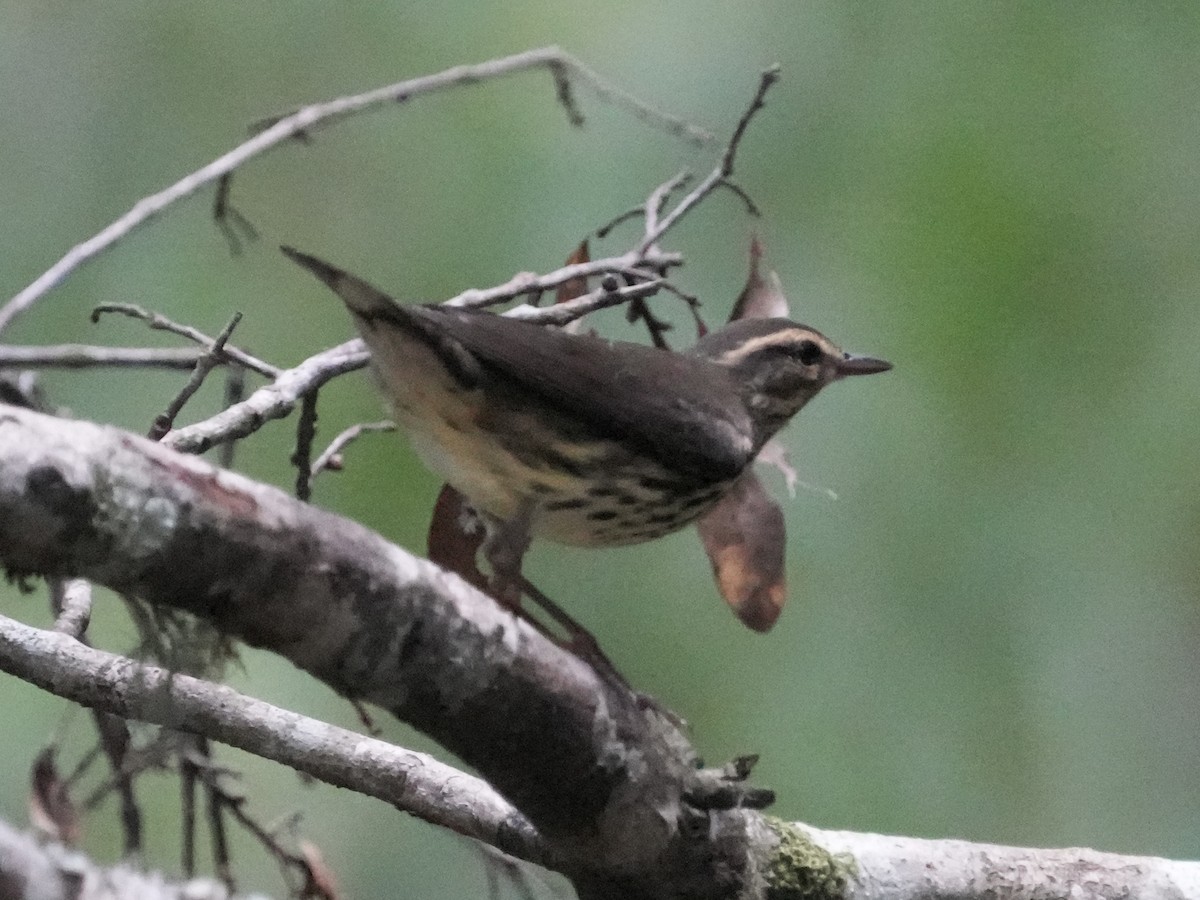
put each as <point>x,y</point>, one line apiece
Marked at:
<point>331,456</point>
<point>278,399</point>
<point>769,76</point>
<point>414,782</point>
<point>205,364</point>
<point>235,392</point>
<point>229,220</point>
<point>187,801</point>
<point>222,800</point>
<point>751,207</point>
<point>216,806</point>
<point>116,742</point>
<point>304,121</point>
<point>158,322</point>
<point>306,432</point>
<point>528,283</point>
<point>274,401</point>
<point>608,294</point>
<point>82,356</point>
<point>72,606</point>
<point>723,170</point>
<point>658,198</point>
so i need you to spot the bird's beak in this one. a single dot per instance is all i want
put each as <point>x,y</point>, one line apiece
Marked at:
<point>861,365</point>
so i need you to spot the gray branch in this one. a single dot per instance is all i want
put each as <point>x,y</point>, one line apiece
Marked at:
<point>902,868</point>
<point>82,356</point>
<point>34,870</point>
<point>411,781</point>
<point>606,788</point>
<point>610,784</point>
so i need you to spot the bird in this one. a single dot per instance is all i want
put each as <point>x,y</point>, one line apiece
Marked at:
<point>572,437</point>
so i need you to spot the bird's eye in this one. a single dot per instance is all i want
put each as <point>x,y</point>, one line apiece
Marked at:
<point>808,352</point>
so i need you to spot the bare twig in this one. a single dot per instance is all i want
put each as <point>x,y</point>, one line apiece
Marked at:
<point>723,170</point>
<point>229,220</point>
<point>604,230</point>
<point>187,802</point>
<point>769,76</point>
<point>608,294</point>
<point>222,800</point>
<point>235,392</point>
<point>165,421</point>
<point>116,742</point>
<point>331,456</point>
<point>81,356</point>
<point>306,119</point>
<point>159,322</point>
<point>216,807</point>
<point>658,198</point>
<point>528,283</point>
<point>274,401</point>
<point>278,399</point>
<point>72,604</point>
<point>306,431</point>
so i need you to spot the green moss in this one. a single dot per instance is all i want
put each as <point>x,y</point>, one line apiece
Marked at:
<point>800,870</point>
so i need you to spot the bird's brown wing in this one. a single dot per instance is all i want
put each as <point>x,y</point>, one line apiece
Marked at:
<point>683,411</point>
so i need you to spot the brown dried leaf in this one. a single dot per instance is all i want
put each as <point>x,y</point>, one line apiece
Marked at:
<point>761,298</point>
<point>576,287</point>
<point>455,536</point>
<point>51,811</point>
<point>321,882</point>
<point>744,538</point>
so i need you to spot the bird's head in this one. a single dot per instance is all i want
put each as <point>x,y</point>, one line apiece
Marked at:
<point>779,366</point>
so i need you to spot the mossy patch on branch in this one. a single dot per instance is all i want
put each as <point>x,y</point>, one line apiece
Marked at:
<point>800,870</point>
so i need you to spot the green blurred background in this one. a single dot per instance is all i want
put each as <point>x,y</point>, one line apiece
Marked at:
<point>992,631</point>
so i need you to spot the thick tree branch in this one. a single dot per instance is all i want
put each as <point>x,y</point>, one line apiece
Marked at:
<point>605,787</point>
<point>610,784</point>
<point>901,868</point>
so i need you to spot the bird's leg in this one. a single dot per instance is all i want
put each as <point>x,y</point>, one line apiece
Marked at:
<point>580,641</point>
<point>504,550</point>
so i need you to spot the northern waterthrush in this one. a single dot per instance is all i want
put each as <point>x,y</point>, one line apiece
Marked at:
<point>575,438</point>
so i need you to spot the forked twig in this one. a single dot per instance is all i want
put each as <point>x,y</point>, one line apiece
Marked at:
<point>159,322</point>
<point>273,401</point>
<point>205,364</point>
<point>723,170</point>
<point>528,283</point>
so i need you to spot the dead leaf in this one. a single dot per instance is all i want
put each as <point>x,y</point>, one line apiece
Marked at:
<point>455,536</point>
<point>761,298</point>
<point>51,811</point>
<point>321,883</point>
<point>744,538</point>
<point>574,287</point>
